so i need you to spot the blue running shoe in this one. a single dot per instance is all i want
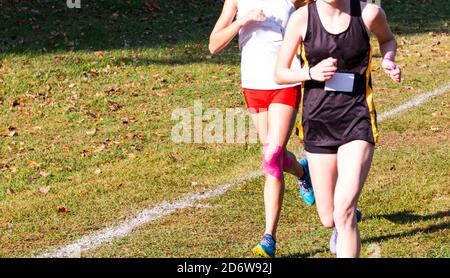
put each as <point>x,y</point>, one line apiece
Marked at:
<point>305,185</point>
<point>266,248</point>
<point>334,235</point>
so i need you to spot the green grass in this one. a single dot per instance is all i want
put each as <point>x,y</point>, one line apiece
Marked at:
<point>405,204</point>
<point>121,71</point>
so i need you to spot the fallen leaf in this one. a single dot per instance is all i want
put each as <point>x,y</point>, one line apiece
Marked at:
<point>114,106</point>
<point>44,174</point>
<point>14,103</point>
<point>10,191</point>
<point>63,211</point>
<point>34,164</point>
<point>158,77</point>
<point>91,132</point>
<point>100,148</point>
<point>173,158</point>
<point>12,131</point>
<point>152,5</point>
<point>99,54</point>
<point>435,129</point>
<point>43,190</point>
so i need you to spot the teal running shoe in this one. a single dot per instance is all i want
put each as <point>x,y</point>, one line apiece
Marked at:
<point>305,184</point>
<point>334,235</point>
<point>266,248</point>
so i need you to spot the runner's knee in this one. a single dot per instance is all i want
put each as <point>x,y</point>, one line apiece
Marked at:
<point>327,220</point>
<point>344,217</point>
<point>273,160</point>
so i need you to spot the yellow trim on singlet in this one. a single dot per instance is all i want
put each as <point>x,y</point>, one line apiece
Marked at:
<point>300,109</point>
<point>369,99</point>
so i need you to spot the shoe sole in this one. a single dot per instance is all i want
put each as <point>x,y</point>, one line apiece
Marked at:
<point>260,253</point>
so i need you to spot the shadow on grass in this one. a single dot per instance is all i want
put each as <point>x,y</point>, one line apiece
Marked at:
<point>405,217</point>
<point>427,230</point>
<point>305,254</point>
<point>41,26</point>
<point>50,26</point>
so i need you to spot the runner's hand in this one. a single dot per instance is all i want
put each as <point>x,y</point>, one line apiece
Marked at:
<point>253,16</point>
<point>324,70</point>
<point>394,71</point>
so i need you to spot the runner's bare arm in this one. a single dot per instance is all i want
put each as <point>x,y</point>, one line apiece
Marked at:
<point>225,29</point>
<point>292,39</point>
<point>376,21</point>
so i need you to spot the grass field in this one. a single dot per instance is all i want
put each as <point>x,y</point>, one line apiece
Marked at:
<point>86,98</point>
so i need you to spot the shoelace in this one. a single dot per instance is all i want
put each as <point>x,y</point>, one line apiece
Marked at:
<point>267,241</point>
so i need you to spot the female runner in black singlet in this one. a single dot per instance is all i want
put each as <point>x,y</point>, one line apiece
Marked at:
<point>338,124</point>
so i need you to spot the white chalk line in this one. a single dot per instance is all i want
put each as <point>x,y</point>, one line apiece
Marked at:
<point>166,208</point>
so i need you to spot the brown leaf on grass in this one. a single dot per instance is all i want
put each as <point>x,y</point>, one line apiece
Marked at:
<point>91,132</point>
<point>12,131</point>
<point>44,174</point>
<point>435,129</point>
<point>152,5</point>
<point>85,153</point>
<point>130,136</point>
<point>14,102</point>
<point>63,211</point>
<point>115,15</point>
<point>34,164</point>
<point>43,190</point>
<point>100,148</point>
<point>31,179</point>
<point>113,91</point>
<point>99,54</point>
<point>173,158</point>
<point>47,87</point>
<point>10,191</point>
<point>114,106</point>
<point>158,77</point>
<point>91,73</point>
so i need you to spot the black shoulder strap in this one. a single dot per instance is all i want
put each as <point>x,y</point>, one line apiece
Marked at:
<point>355,8</point>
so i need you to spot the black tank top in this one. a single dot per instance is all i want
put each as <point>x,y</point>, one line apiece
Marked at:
<point>331,118</point>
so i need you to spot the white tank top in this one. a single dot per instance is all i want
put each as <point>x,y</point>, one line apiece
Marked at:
<point>259,43</point>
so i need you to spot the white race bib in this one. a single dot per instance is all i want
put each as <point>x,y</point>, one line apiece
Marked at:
<point>341,82</point>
